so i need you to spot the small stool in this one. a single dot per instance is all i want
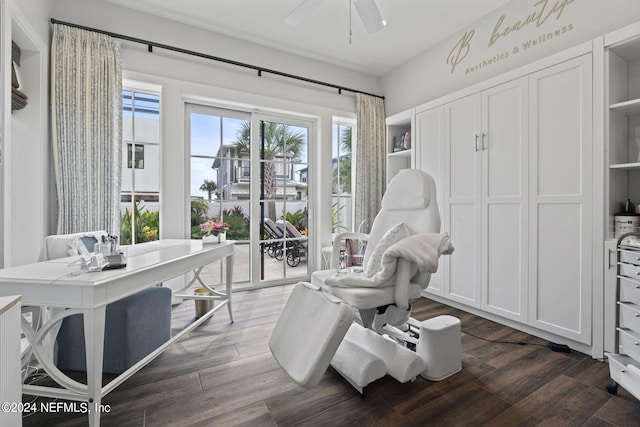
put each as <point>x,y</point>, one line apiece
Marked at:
<point>439,347</point>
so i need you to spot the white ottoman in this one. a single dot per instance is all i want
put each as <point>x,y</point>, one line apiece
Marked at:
<point>439,347</point>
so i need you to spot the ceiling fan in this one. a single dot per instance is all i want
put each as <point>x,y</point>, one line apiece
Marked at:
<point>367,10</point>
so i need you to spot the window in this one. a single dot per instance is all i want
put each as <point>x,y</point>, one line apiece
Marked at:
<point>140,192</point>
<point>138,155</point>
<point>341,208</point>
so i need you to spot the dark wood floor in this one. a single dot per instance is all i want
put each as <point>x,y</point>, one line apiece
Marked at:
<point>224,375</point>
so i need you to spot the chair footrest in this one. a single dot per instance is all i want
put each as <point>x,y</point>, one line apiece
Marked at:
<point>357,364</point>
<point>400,362</point>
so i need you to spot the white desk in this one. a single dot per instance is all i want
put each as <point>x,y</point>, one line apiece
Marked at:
<point>56,283</point>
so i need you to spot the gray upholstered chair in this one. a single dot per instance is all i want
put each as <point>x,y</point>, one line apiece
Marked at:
<point>134,327</point>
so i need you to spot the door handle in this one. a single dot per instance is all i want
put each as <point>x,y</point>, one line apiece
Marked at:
<point>484,135</point>
<point>477,136</point>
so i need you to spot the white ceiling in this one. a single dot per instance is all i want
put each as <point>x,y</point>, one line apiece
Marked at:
<point>413,26</point>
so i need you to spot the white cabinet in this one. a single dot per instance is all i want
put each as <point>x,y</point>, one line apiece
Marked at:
<point>486,199</point>
<point>561,199</point>
<point>462,174</point>
<point>429,127</point>
<point>400,134</point>
<point>504,199</point>
<point>514,165</point>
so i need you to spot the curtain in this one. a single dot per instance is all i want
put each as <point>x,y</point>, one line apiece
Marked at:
<point>370,155</point>
<point>86,98</point>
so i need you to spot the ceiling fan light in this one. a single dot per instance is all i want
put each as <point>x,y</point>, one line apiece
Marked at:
<point>370,15</point>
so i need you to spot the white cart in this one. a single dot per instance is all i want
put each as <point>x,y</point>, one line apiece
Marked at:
<point>624,364</point>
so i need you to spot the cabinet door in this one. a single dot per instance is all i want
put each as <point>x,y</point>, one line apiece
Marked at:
<point>462,199</point>
<point>429,158</point>
<point>504,199</point>
<point>560,147</point>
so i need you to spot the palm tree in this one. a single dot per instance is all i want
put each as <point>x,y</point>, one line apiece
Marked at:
<point>278,141</point>
<point>209,187</point>
<point>344,163</point>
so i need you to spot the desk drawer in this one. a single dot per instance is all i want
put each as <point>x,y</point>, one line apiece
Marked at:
<point>626,372</point>
<point>629,317</point>
<point>630,270</point>
<point>630,257</point>
<point>629,291</point>
<point>629,344</point>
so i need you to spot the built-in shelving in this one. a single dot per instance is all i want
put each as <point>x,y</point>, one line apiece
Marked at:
<point>626,166</point>
<point>623,98</point>
<point>399,158</point>
<point>628,108</point>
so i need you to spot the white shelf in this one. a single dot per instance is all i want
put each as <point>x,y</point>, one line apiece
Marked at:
<point>402,153</point>
<point>625,166</point>
<point>628,108</point>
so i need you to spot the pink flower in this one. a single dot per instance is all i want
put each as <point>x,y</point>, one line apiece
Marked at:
<point>213,226</point>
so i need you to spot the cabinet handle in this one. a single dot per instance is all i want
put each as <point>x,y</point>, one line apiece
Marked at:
<point>624,371</point>
<point>477,136</point>
<point>637,286</point>
<point>484,147</point>
<point>637,315</point>
<point>610,264</point>
<point>636,343</point>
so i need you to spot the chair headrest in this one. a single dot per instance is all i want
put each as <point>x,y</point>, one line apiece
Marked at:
<point>409,189</point>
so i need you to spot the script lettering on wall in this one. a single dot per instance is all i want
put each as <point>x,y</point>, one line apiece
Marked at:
<point>542,14</point>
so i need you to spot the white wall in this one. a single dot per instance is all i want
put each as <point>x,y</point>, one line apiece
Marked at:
<point>432,74</point>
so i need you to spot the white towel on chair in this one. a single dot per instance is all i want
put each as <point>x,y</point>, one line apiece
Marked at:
<point>423,250</point>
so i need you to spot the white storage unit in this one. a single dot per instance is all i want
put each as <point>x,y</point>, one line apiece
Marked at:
<point>622,133</point>
<point>513,160</point>
<point>485,198</point>
<point>624,362</point>
<point>400,145</point>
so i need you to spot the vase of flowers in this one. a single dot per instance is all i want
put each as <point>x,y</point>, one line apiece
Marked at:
<point>214,231</point>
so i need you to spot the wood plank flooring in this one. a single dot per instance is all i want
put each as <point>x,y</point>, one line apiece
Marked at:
<point>223,374</point>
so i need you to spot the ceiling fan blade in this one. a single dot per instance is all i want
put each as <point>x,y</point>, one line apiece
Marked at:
<point>370,15</point>
<point>300,12</point>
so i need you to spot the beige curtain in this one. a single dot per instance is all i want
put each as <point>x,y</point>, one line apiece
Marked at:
<point>370,159</point>
<point>86,107</point>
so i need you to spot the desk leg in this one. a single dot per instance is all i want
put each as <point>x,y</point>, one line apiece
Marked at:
<point>229,279</point>
<point>94,320</point>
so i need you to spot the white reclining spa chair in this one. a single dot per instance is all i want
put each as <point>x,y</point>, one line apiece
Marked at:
<point>316,327</point>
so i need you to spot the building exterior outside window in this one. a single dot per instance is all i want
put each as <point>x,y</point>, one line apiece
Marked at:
<point>140,190</point>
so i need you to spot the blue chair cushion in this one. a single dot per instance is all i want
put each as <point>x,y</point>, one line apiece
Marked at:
<point>134,327</point>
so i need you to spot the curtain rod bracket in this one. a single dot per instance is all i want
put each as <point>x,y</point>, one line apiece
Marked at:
<point>259,73</point>
<point>150,48</point>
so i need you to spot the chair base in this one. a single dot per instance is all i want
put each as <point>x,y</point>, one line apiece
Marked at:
<point>316,330</point>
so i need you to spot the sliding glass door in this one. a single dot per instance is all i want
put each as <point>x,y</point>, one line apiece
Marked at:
<point>281,198</point>
<point>251,172</point>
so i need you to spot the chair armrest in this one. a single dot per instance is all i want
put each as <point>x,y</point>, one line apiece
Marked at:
<point>403,283</point>
<point>335,252</point>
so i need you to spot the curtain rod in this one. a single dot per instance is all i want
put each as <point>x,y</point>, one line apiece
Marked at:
<point>260,70</point>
